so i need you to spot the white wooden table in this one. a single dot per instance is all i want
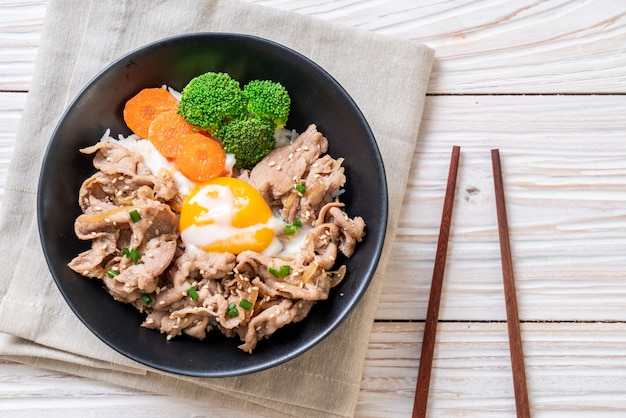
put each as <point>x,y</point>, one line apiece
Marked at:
<point>543,81</point>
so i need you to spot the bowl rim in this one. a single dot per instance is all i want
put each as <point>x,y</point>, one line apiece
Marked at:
<point>364,282</point>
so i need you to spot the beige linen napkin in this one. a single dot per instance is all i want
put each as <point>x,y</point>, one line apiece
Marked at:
<point>387,78</point>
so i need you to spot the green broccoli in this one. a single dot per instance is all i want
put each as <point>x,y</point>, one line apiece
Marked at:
<point>211,100</point>
<point>268,100</point>
<point>248,139</point>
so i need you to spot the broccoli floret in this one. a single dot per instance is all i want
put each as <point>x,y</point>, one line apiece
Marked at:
<point>248,139</point>
<point>212,99</point>
<point>268,100</point>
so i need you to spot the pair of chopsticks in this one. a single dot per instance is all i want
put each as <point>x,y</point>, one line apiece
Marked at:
<point>432,314</point>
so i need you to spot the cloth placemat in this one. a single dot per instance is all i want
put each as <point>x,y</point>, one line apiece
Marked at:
<point>387,78</point>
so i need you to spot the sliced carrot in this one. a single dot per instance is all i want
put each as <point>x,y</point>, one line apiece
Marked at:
<point>142,108</point>
<point>166,130</point>
<point>200,158</point>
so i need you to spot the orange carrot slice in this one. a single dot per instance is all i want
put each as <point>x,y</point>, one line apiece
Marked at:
<point>166,130</point>
<point>200,158</point>
<point>142,108</point>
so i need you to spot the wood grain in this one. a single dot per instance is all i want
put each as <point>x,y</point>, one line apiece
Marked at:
<point>543,81</point>
<point>564,159</point>
<point>482,46</point>
<point>574,370</point>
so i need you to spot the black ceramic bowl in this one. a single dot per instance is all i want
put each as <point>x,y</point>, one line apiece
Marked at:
<point>316,98</point>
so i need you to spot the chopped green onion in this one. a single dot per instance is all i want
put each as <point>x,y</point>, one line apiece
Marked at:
<point>232,310</point>
<point>246,304</point>
<point>112,273</point>
<point>146,298</point>
<point>193,294</point>
<point>301,187</point>
<point>133,254</point>
<point>291,229</point>
<point>282,271</point>
<point>134,216</point>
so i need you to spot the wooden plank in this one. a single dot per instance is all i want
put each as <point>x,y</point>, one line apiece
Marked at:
<point>564,163</point>
<point>484,47</point>
<point>20,32</point>
<point>574,370</point>
<point>564,168</point>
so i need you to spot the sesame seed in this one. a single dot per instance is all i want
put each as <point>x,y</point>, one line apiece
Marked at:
<point>169,337</point>
<point>150,255</point>
<point>290,155</point>
<point>162,302</point>
<point>114,181</point>
<point>157,232</point>
<point>272,316</point>
<point>107,220</point>
<point>316,176</point>
<point>305,148</point>
<point>315,165</point>
<point>109,159</point>
<point>115,268</point>
<point>278,168</point>
<point>104,246</point>
<point>120,178</point>
<point>86,272</point>
<point>272,163</point>
<point>98,208</point>
<point>298,149</point>
<point>201,272</point>
<point>126,188</point>
<point>119,193</point>
<point>94,233</point>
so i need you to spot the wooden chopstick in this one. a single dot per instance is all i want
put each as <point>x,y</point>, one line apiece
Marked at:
<point>512,318</point>
<point>432,314</point>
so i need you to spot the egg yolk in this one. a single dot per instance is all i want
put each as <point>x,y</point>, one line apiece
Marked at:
<point>226,215</point>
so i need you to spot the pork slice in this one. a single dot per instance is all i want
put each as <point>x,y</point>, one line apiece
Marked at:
<point>90,263</point>
<point>352,229</point>
<point>121,173</point>
<point>270,320</point>
<point>278,172</point>
<point>194,268</point>
<point>303,282</point>
<point>113,159</point>
<point>323,182</point>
